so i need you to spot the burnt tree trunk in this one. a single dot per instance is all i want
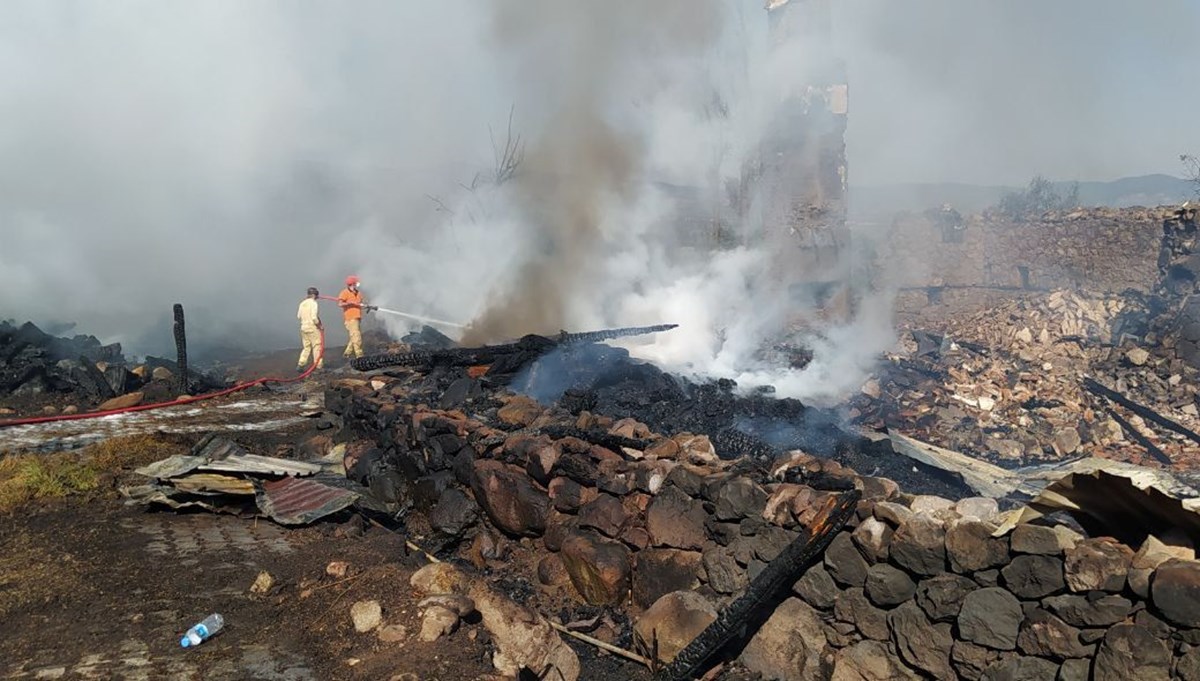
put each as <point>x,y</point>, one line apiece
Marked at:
<point>181,380</point>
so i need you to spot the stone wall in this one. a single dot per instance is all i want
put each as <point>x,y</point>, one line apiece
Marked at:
<point>1101,249</point>
<point>915,587</point>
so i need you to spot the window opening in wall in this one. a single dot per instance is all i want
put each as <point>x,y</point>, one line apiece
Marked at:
<point>1025,283</point>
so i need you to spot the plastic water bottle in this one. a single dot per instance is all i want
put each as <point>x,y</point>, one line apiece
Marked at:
<point>203,631</point>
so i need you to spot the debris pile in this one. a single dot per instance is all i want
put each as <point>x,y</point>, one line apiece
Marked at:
<point>1011,383</point>
<point>664,533</point>
<point>220,476</point>
<point>42,372</point>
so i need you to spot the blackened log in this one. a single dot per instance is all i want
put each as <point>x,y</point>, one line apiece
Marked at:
<point>597,437</point>
<point>180,351</point>
<point>1138,437</point>
<point>765,590</point>
<point>1145,412</point>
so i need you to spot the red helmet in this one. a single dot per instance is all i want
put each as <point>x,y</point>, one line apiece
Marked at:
<point>351,280</point>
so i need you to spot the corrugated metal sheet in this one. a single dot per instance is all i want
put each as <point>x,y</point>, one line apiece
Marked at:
<point>261,465</point>
<point>171,467</point>
<point>296,501</point>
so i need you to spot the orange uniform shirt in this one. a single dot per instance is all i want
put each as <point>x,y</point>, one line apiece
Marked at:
<point>350,302</point>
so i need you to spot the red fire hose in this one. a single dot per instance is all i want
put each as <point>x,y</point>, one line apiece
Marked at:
<point>173,403</point>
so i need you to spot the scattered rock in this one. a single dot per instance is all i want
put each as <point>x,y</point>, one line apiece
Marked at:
<point>522,637</point>
<point>262,583</point>
<point>919,546</point>
<point>520,411</point>
<point>123,402</point>
<point>1066,441</point>
<point>676,520</point>
<point>366,615</point>
<point>941,596</point>
<point>337,569</point>
<point>887,586</point>
<point>1034,576</point>
<point>1129,651</point>
<point>1099,564</point>
<point>436,622</point>
<point>161,374</point>
<point>439,578</point>
<point>1175,590</point>
<point>662,571</point>
<point>599,568</point>
<point>1153,553</point>
<point>991,617</point>
<point>392,633</point>
<point>844,562</point>
<point>921,644</point>
<point>971,547</point>
<point>790,646</point>
<point>928,504</point>
<point>552,572</point>
<point>675,619</point>
<point>1045,635</point>
<point>566,495</point>
<point>892,513</point>
<point>1188,666</point>
<point>1137,356</point>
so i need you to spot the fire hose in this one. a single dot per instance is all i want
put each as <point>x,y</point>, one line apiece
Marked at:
<point>190,399</point>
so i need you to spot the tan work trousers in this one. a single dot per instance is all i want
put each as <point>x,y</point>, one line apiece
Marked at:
<point>354,347</point>
<point>310,344</point>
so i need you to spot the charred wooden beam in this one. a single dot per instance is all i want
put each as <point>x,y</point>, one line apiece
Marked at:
<point>1147,413</point>
<point>596,437</point>
<point>764,590</point>
<point>531,344</point>
<point>181,350</point>
<point>1138,437</point>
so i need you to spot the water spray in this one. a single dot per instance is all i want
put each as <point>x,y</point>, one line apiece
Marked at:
<point>419,318</point>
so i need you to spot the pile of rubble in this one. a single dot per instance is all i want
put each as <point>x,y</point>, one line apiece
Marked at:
<point>1011,383</point>
<point>41,372</point>
<point>655,535</point>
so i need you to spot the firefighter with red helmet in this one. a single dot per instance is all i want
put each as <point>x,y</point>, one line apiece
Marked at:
<point>353,305</point>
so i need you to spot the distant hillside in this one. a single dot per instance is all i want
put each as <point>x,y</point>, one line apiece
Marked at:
<point>883,201</point>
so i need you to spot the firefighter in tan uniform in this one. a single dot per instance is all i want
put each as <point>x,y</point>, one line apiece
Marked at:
<point>352,304</point>
<point>310,332</point>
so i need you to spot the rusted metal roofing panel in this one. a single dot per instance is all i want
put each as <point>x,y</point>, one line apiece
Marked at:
<point>254,464</point>
<point>297,501</point>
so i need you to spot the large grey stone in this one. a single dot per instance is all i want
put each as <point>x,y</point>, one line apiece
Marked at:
<point>873,537</point>
<point>816,587</point>
<point>1038,539</point>
<point>676,520</point>
<point>845,564</point>
<point>869,661</point>
<point>790,646</point>
<point>971,660</point>
<point>970,547</point>
<point>725,576</point>
<point>853,607</point>
<point>1045,635</point>
<point>919,546</point>
<point>1079,611</point>
<point>1175,590</point>
<point>887,585</point>
<point>1034,576</point>
<point>991,617</point>
<point>941,596</point>
<point>921,643</point>
<point>1021,669</point>
<point>1128,652</point>
<point>674,620</point>
<point>739,498</point>
<point>661,571</point>
<point>1098,564</point>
